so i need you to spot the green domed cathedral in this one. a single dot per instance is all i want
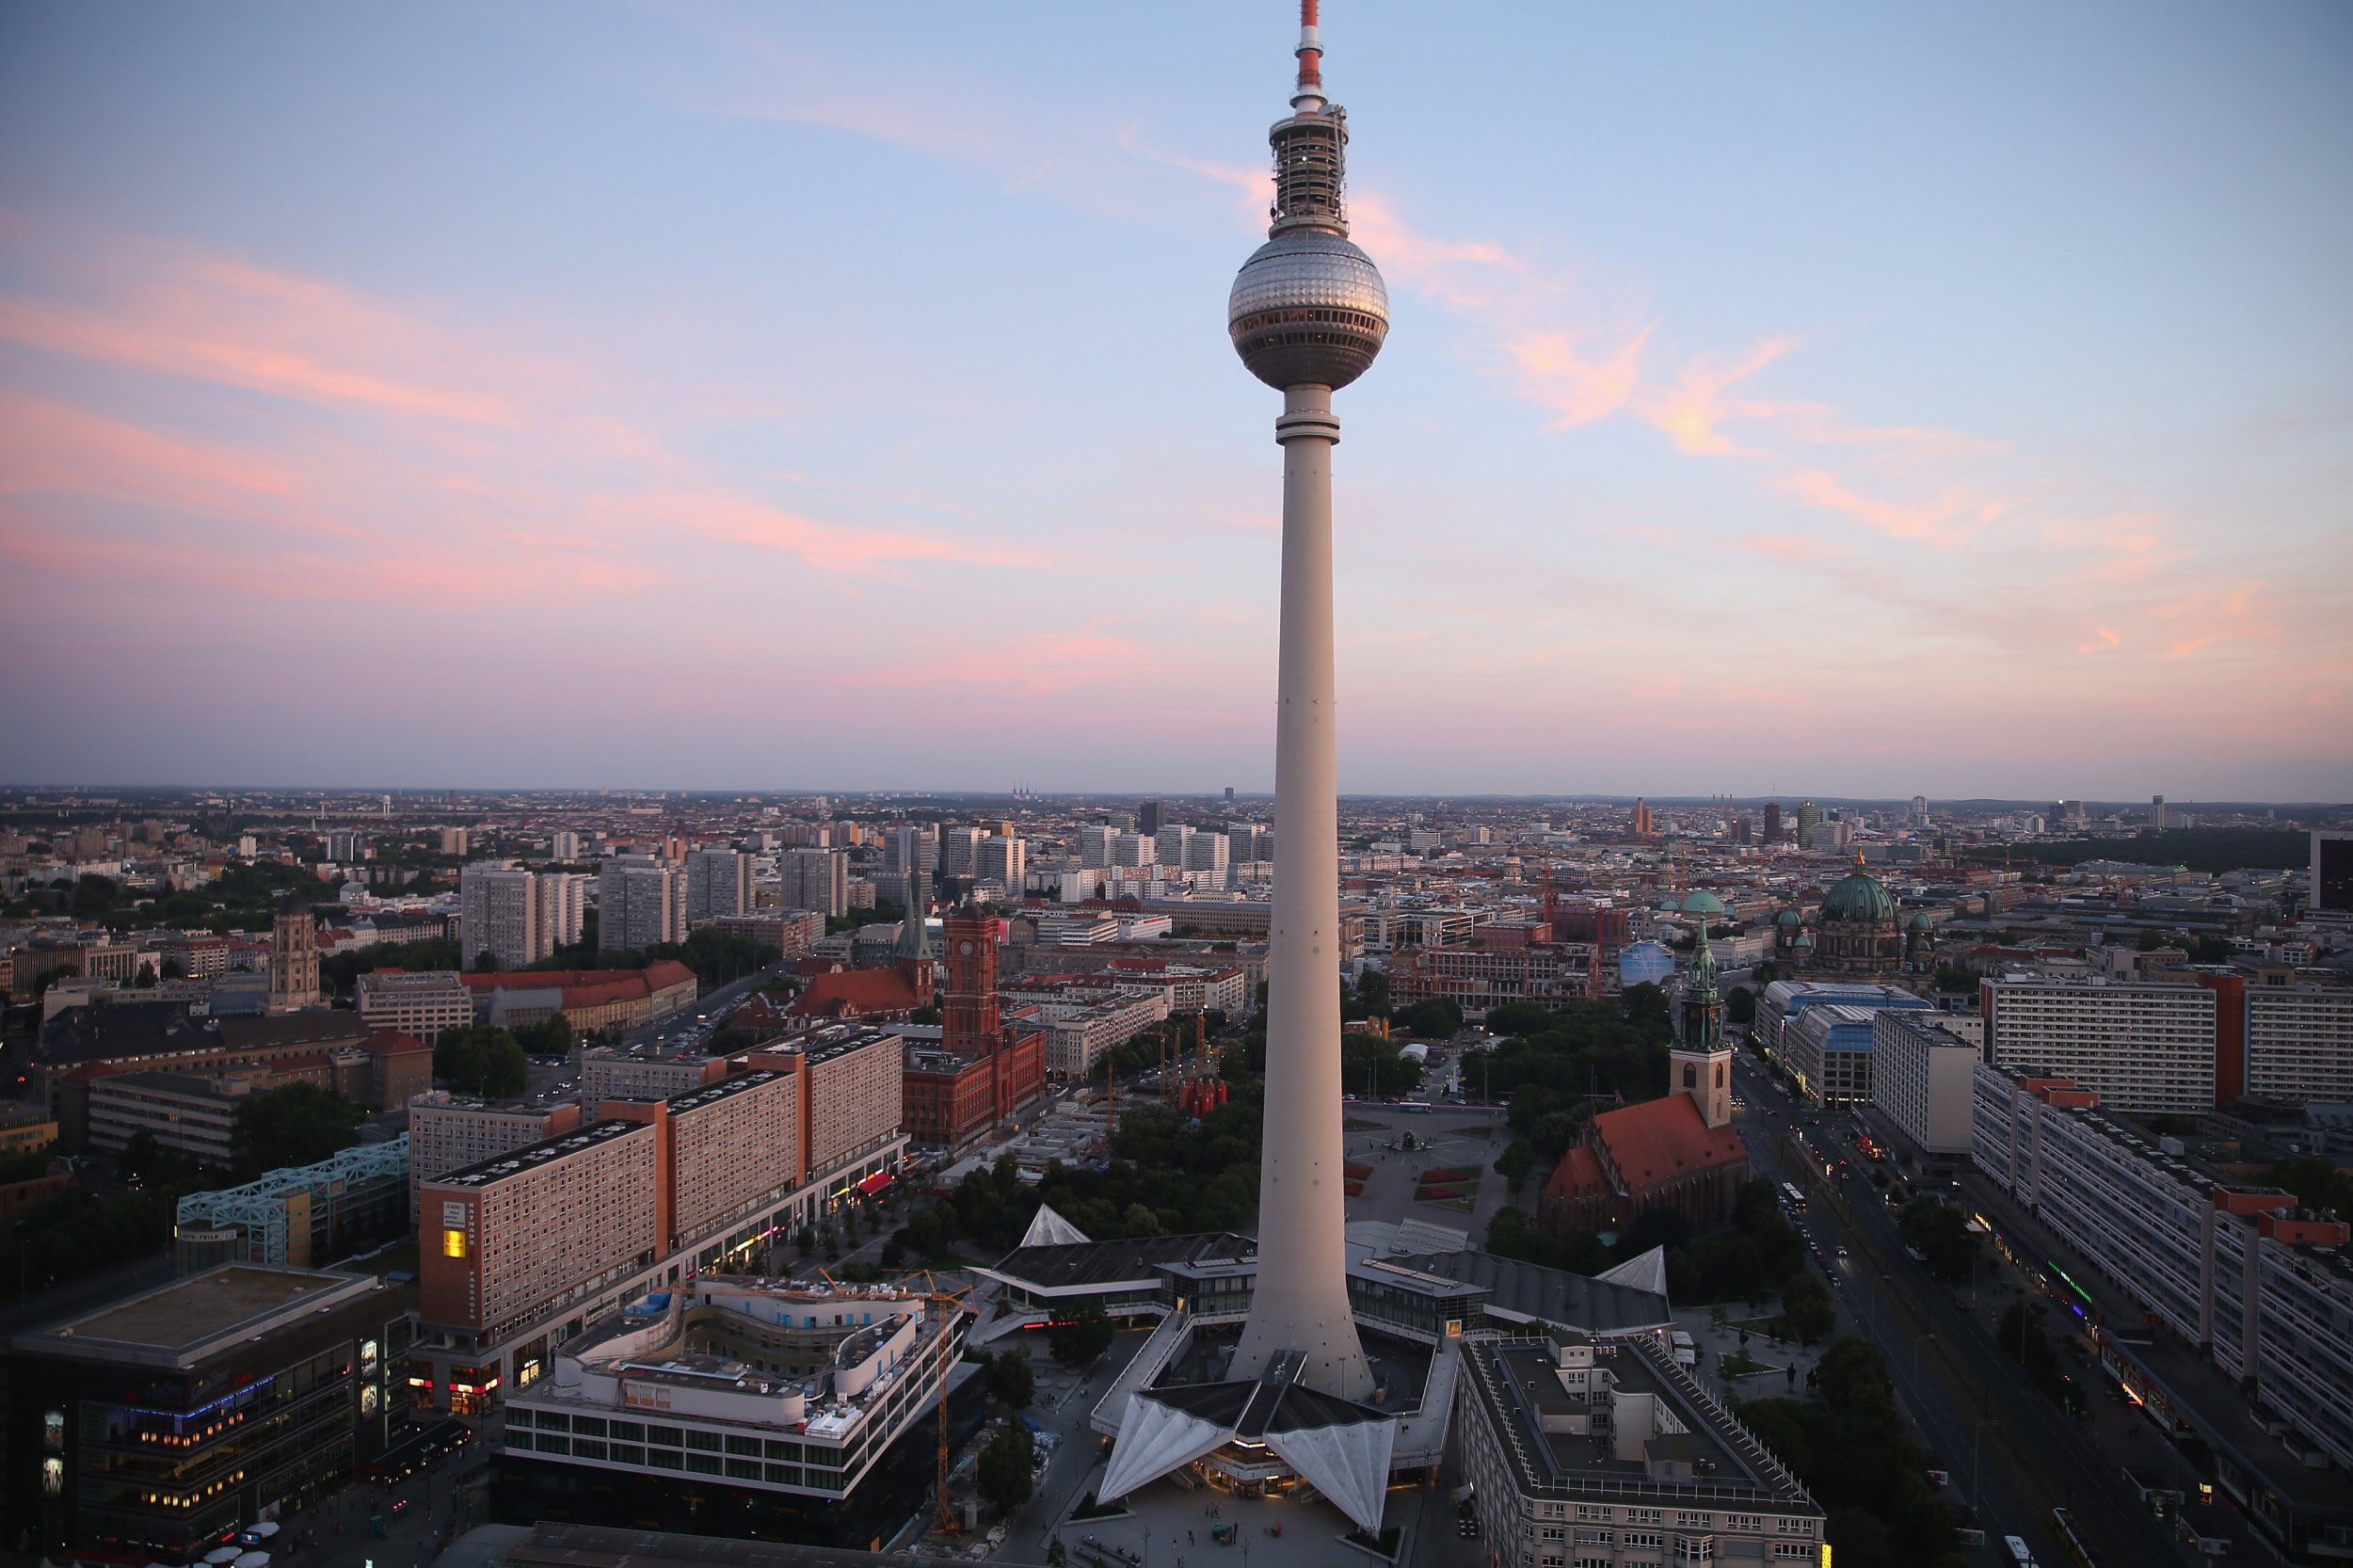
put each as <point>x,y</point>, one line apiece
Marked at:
<point>1857,933</point>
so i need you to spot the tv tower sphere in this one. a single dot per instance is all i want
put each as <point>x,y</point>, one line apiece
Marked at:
<point>1309,308</point>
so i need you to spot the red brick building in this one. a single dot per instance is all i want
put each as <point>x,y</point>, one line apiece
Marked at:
<point>1679,1152</point>
<point>981,1072</point>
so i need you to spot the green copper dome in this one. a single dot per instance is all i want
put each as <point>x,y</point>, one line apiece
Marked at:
<point>1920,920</point>
<point>1787,916</point>
<point>1858,898</point>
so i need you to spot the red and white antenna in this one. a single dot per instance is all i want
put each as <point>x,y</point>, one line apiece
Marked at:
<point>1310,52</point>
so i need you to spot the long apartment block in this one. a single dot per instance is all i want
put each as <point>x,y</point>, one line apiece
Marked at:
<point>521,1250</point>
<point>2227,1277</point>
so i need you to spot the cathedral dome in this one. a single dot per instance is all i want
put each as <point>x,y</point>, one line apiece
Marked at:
<point>1920,922</point>
<point>1859,898</point>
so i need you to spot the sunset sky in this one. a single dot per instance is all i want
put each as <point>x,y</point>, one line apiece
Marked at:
<point>1844,400</point>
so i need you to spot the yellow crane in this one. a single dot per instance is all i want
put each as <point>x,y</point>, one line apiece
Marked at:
<point>932,1291</point>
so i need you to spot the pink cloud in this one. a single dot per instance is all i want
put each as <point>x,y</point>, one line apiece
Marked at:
<point>1691,410</point>
<point>50,446</point>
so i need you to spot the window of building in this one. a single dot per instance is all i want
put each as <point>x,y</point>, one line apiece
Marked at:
<point>703,1465</point>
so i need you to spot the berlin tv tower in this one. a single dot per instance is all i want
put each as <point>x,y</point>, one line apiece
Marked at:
<point>1307,314</point>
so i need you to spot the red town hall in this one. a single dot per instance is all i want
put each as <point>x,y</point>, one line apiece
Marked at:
<point>981,1072</point>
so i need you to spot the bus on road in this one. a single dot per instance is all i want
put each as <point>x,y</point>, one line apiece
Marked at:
<point>1793,1197</point>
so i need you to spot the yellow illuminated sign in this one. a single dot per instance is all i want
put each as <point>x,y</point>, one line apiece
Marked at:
<point>453,1243</point>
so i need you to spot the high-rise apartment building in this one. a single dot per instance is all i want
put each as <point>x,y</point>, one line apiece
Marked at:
<point>564,845</point>
<point>498,912</point>
<point>1134,849</point>
<point>456,841</point>
<point>640,903</point>
<point>1209,852</point>
<point>911,849</point>
<point>1004,860</point>
<point>2146,1049</point>
<point>1171,842</point>
<point>959,851</point>
<point>563,901</point>
<point>2299,1043</point>
<point>1248,842</point>
<point>1095,845</point>
<point>718,882</point>
<point>448,1132</point>
<point>293,961</point>
<point>815,878</point>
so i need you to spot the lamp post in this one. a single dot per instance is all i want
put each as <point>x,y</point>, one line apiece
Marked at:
<point>1976,1432</point>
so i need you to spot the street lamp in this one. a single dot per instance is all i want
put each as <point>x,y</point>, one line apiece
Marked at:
<point>1974,1433</point>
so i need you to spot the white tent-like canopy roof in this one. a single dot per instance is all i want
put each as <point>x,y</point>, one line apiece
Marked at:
<point>1049,1229</point>
<point>1646,1272</point>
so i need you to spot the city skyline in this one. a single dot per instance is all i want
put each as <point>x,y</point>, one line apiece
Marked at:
<point>1847,397</point>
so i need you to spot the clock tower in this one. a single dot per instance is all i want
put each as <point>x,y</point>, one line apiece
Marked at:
<point>967,1016</point>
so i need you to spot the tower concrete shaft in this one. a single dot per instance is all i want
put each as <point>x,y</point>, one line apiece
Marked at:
<point>1302,1294</point>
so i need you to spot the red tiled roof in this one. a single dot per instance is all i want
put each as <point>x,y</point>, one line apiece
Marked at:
<point>855,993</point>
<point>393,1042</point>
<point>1577,1176</point>
<point>1661,1140</point>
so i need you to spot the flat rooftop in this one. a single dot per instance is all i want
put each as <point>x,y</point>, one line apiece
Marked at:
<point>177,1320</point>
<point>531,1157</point>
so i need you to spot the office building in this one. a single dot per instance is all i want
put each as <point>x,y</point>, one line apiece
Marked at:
<point>422,1004</point>
<point>154,1427</point>
<point>640,903</point>
<point>1785,1001</point>
<point>772,1402</point>
<point>816,878</point>
<point>293,961</point>
<point>1150,818</point>
<point>498,912</point>
<point>2146,1049</point>
<point>1923,1080</point>
<point>718,883</point>
<point>1772,821</point>
<point>1134,849</point>
<point>184,1112</point>
<point>299,1216</point>
<point>2332,870</point>
<point>1095,845</point>
<point>1809,825</point>
<point>1598,1453</point>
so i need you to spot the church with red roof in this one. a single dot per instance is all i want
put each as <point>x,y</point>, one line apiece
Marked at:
<point>1678,1152</point>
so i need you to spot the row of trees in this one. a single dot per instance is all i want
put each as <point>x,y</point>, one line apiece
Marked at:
<point>1853,1454</point>
<point>1760,1256</point>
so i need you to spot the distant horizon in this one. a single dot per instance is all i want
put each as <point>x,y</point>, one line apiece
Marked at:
<point>1212,796</point>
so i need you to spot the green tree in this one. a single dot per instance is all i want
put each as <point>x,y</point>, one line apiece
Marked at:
<point>485,962</point>
<point>1514,1163</point>
<point>1741,1006</point>
<point>482,1060</point>
<point>1805,1310</point>
<point>1079,1338</point>
<point>299,1125</point>
<point>2317,1183</point>
<point>730,1040</point>
<point>1010,1380</point>
<point>1439,1017</point>
<point>1006,1472</point>
<point>1941,1237</point>
<point>1645,1008</point>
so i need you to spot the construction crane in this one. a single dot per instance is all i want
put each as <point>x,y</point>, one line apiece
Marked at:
<point>932,1291</point>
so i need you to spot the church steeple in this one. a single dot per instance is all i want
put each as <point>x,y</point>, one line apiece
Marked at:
<point>1700,1065</point>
